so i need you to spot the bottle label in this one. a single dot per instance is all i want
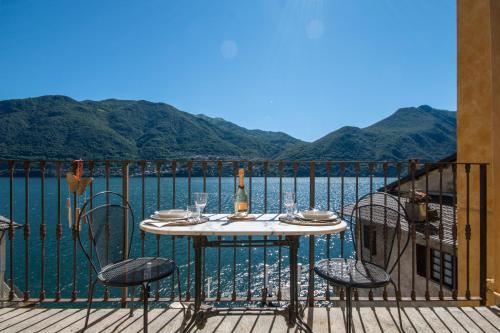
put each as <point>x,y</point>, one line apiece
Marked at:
<point>242,207</point>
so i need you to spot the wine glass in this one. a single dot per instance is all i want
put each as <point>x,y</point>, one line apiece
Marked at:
<point>289,199</point>
<point>192,212</point>
<point>200,200</point>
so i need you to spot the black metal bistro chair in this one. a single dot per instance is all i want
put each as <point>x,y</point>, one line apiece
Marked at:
<point>379,228</point>
<point>106,227</point>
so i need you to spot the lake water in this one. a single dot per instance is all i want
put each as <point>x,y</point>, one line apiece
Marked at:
<point>50,196</point>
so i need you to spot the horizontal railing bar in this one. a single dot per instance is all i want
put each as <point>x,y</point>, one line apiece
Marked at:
<point>215,161</point>
<point>256,300</point>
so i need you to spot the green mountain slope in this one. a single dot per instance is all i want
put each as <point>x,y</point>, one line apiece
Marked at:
<point>423,133</point>
<point>58,127</point>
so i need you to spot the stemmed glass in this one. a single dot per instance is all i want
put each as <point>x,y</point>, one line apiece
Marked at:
<point>192,213</point>
<point>200,201</point>
<point>289,199</point>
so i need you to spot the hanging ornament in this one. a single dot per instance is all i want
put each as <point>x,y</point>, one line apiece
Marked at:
<point>76,185</point>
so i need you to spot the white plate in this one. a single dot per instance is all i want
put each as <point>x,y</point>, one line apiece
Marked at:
<point>331,219</point>
<point>167,219</point>
<point>318,215</point>
<point>171,214</point>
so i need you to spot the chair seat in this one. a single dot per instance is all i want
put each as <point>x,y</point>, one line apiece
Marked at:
<point>133,272</point>
<point>352,273</point>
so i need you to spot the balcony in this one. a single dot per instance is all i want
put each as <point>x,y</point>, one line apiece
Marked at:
<point>328,320</point>
<point>46,271</point>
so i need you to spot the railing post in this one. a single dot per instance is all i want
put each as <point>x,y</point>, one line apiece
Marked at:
<point>454,231</point>
<point>342,195</point>
<point>26,293</point>
<point>295,171</point>
<point>11,230</point>
<point>413,230</point>
<point>143,202</point>
<point>204,173</point>
<point>468,231</point>
<point>190,170</point>
<point>43,231</point>
<point>281,166</point>
<point>219,189</point>
<point>174,188</point>
<point>482,233</point>
<point>89,233</point>
<point>312,185</point>
<point>107,172</point>
<point>125,192</point>
<point>250,174</point>
<point>58,233</point>
<point>310,287</point>
<point>266,168</point>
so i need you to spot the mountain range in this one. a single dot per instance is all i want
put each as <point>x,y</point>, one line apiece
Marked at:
<point>59,127</point>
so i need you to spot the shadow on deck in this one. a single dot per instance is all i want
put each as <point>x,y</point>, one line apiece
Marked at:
<point>328,320</point>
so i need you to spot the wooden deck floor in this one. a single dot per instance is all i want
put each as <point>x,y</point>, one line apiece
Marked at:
<point>366,319</point>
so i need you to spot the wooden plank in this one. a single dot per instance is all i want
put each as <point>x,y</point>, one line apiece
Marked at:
<point>331,319</point>
<point>465,321</point>
<point>370,321</point>
<point>454,321</point>
<point>11,319</point>
<point>52,317</point>
<point>413,318</point>
<point>433,320</point>
<point>161,320</point>
<point>492,315</point>
<point>99,319</point>
<point>5,310</point>
<point>481,321</point>
<point>34,320</point>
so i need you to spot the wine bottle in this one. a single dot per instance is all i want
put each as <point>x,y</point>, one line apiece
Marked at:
<point>241,198</point>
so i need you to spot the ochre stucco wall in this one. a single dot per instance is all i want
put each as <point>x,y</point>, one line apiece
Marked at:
<point>495,224</point>
<point>478,134</point>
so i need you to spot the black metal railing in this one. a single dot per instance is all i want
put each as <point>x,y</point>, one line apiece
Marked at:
<point>44,263</point>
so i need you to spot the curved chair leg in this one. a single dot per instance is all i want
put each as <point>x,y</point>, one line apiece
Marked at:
<point>132,302</point>
<point>348,303</point>
<point>145,316</point>
<point>179,289</point>
<point>91,296</point>
<point>397,304</point>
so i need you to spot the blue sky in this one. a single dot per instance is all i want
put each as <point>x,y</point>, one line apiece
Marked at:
<point>304,67</point>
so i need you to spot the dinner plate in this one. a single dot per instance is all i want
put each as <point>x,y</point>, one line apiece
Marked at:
<point>171,214</point>
<point>331,219</point>
<point>300,221</point>
<point>317,215</point>
<point>167,219</point>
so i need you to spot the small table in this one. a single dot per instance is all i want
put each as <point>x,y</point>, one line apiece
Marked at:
<point>264,225</point>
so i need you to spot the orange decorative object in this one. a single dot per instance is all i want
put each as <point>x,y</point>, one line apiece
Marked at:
<point>78,169</point>
<point>75,181</point>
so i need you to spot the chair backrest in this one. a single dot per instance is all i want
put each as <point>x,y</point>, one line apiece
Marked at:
<point>380,230</point>
<point>107,221</point>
